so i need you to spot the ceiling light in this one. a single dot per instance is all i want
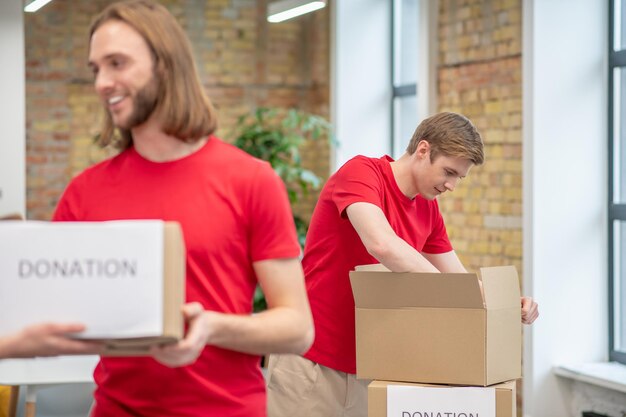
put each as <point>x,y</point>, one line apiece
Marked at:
<point>281,10</point>
<point>35,5</point>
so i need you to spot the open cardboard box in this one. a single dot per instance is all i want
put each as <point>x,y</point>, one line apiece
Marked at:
<point>377,399</point>
<point>460,329</point>
<point>125,280</point>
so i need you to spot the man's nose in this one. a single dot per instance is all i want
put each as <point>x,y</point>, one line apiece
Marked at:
<point>103,82</point>
<point>451,184</point>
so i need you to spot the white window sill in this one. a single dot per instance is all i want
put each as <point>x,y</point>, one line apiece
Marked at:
<point>611,375</point>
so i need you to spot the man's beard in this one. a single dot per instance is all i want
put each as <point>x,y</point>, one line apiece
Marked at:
<point>144,104</point>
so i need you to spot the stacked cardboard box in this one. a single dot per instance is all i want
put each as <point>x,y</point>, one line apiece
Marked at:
<point>452,330</point>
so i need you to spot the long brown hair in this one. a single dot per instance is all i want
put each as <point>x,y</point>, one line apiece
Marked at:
<point>449,134</point>
<point>185,109</point>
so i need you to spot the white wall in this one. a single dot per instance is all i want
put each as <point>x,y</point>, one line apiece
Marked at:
<point>361,78</point>
<point>12,109</point>
<point>565,193</point>
<point>63,400</point>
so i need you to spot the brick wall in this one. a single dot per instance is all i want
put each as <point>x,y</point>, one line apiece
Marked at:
<point>480,75</point>
<point>243,61</point>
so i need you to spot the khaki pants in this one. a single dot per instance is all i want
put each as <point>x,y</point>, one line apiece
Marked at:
<point>298,387</point>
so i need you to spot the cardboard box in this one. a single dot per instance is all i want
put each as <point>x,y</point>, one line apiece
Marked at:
<point>505,402</point>
<point>438,328</point>
<point>125,280</point>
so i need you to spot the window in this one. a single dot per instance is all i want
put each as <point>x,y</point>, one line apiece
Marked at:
<point>617,180</point>
<point>404,65</point>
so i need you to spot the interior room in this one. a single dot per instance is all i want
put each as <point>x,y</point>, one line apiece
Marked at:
<point>540,80</point>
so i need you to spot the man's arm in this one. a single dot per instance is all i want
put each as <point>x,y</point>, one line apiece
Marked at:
<point>449,262</point>
<point>445,262</point>
<point>285,327</point>
<point>383,243</point>
<point>46,339</point>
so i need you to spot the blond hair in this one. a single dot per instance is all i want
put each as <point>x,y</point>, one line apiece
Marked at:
<point>449,134</point>
<point>186,111</point>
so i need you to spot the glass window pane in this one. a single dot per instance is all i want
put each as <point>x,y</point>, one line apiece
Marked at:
<point>405,122</point>
<point>619,21</point>
<point>619,135</point>
<point>619,286</point>
<point>405,42</point>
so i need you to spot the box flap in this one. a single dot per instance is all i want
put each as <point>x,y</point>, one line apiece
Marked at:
<point>376,289</point>
<point>372,267</point>
<point>501,287</point>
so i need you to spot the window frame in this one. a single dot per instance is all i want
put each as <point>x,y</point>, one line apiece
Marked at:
<point>398,91</point>
<point>616,211</point>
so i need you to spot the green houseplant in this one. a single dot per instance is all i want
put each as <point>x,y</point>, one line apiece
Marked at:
<point>275,135</point>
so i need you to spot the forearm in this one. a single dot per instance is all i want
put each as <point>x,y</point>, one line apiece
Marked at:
<point>382,242</point>
<point>399,256</point>
<point>46,339</point>
<point>277,330</point>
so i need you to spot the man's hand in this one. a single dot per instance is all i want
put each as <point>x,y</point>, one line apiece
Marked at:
<point>187,350</point>
<point>530,310</point>
<point>47,339</point>
<point>285,327</point>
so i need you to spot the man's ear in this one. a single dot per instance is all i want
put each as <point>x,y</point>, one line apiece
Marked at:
<point>423,148</point>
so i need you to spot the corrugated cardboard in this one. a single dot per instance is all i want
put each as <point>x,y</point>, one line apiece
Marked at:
<point>173,294</point>
<point>438,328</point>
<point>377,397</point>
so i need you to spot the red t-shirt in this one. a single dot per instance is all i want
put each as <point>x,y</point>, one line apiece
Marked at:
<point>333,248</point>
<point>234,211</point>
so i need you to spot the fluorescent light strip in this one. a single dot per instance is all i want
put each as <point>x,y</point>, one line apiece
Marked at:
<point>36,5</point>
<point>297,11</point>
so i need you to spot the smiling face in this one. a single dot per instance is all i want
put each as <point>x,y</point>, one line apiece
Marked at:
<point>431,178</point>
<point>123,68</point>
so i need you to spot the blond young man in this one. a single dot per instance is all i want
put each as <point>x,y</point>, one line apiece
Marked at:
<point>233,210</point>
<point>372,210</point>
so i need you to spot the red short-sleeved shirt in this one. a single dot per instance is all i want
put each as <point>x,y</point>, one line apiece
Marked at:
<point>233,210</point>
<point>333,249</point>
